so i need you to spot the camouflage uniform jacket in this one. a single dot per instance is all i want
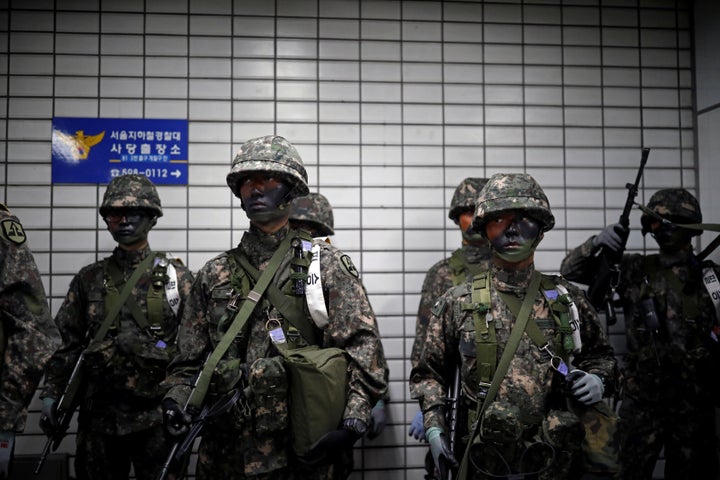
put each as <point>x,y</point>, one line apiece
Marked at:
<point>674,359</point>
<point>352,326</point>
<point>527,384</point>
<point>30,334</point>
<point>126,371</point>
<point>438,280</point>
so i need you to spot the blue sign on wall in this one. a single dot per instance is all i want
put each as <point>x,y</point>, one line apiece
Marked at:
<point>94,150</point>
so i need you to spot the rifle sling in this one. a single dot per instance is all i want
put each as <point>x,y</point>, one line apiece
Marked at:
<point>510,348</point>
<point>203,383</point>
<point>712,227</point>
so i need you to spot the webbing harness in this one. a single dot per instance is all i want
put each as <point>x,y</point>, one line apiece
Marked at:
<point>520,326</point>
<point>485,338</point>
<point>160,280</point>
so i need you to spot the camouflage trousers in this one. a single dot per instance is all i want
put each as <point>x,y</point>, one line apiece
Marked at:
<point>109,457</point>
<point>686,431</point>
<point>223,455</point>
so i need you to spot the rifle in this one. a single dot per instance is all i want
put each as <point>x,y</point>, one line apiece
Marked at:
<point>67,405</point>
<point>453,415</point>
<point>180,449</point>
<point>602,291</point>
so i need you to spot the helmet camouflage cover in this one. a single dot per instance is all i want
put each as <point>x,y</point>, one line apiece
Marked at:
<point>131,191</point>
<point>315,209</point>
<point>675,204</point>
<point>513,191</point>
<point>465,196</point>
<point>272,154</point>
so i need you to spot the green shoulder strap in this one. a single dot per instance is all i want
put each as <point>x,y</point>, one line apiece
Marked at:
<point>115,303</point>
<point>253,298</point>
<point>520,324</point>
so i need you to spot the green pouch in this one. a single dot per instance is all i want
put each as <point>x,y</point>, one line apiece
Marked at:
<point>269,385</point>
<point>317,382</point>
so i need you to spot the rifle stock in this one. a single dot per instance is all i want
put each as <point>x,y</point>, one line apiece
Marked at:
<point>69,401</point>
<point>602,291</point>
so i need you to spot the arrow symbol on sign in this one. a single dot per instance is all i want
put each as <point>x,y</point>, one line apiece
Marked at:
<point>176,173</point>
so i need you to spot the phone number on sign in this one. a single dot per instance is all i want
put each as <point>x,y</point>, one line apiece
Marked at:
<point>148,172</point>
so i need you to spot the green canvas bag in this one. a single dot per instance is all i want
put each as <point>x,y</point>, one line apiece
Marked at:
<point>318,379</point>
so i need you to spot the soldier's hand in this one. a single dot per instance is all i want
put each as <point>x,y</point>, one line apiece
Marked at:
<point>49,422</point>
<point>440,450</point>
<point>587,388</point>
<point>417,429</point>
<point>612,237</point>
<point>378,421</point>
<point>175,420</point>
<point>355,426</point>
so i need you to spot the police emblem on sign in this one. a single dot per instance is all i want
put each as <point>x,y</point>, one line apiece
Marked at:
<point>13,231</point>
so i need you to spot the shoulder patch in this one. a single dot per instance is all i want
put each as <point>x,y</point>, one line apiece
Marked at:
<point>348,266</point>
<point>12,231</point>
<point>439,307</point>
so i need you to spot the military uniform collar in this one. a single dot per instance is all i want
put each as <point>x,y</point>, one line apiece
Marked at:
<point>507,280</point>
<point>259,246</point>
<point>131,257</point>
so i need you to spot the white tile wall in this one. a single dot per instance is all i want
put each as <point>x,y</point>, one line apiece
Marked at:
<point>391,104</point>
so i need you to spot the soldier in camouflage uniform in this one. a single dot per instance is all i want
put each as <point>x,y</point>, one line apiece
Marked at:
<point>28,336</point>
<point>669,322</point>
<point>527,413</point>
<point>266,174</point>
<point>313,213</point>
<point>120,419</point>
<point>472,257</point>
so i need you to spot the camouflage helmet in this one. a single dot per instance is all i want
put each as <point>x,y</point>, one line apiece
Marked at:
<point>513,191</point>
<point>465,197</point>
<point>314,209</point>
<point>272,154</point>
<point>675,204</point>
<point>131,191</point>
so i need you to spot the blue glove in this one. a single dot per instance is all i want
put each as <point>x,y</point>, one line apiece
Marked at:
<point>49,421</point>
<point>586,387</point>
<point>417,429</point>
<point>379,420</point>
<point>440,450</point>
<point>612,237</point>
